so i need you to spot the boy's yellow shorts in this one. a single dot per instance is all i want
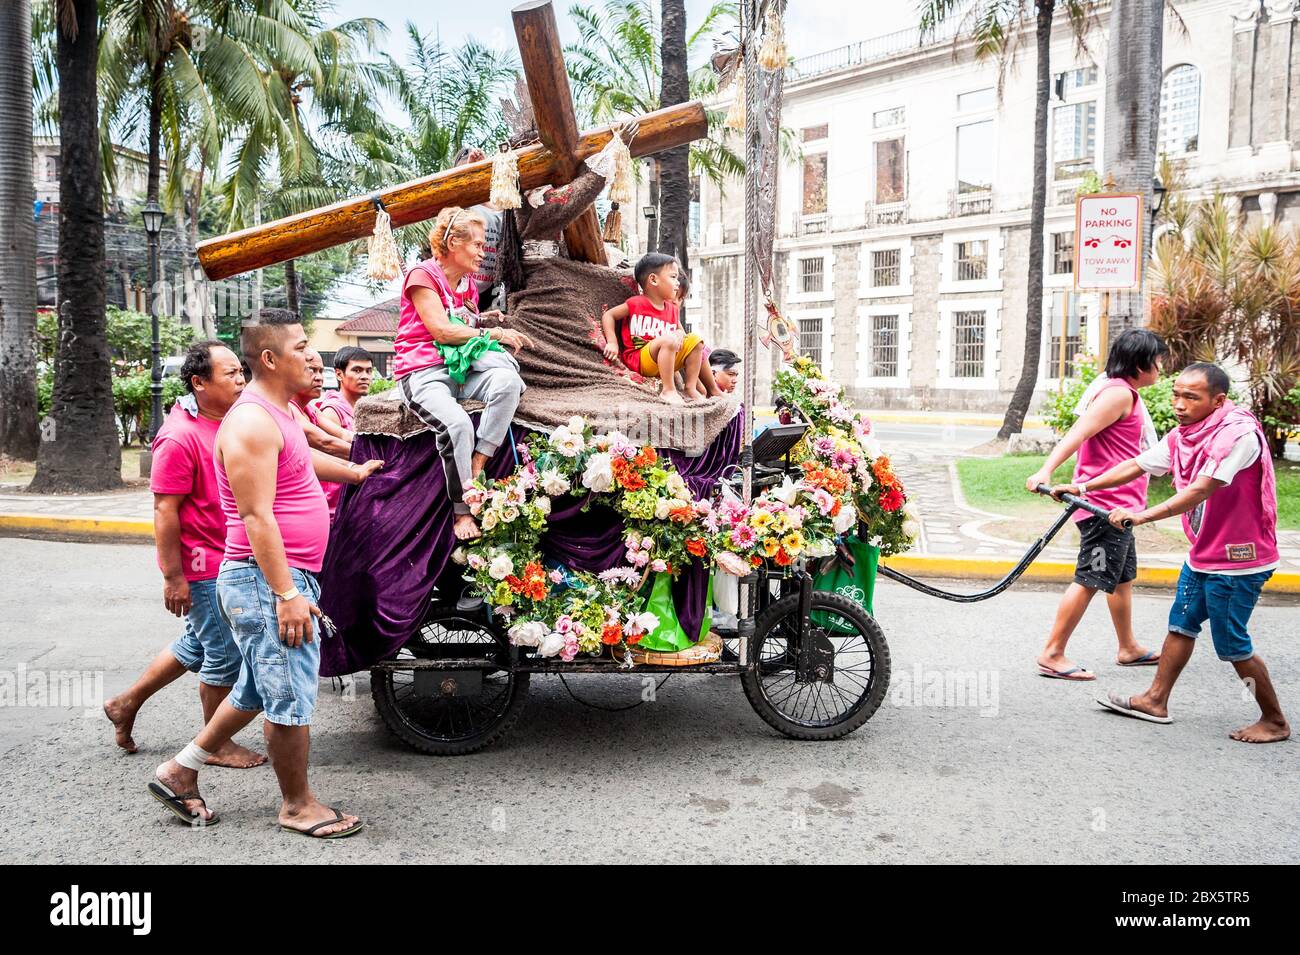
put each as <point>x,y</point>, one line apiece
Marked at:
<point>650,369</point>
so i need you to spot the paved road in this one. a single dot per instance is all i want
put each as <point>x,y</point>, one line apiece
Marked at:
<point>1023,770</point>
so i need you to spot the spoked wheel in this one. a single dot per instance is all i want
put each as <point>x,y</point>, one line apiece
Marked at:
<point>830,686</point>
<point>458,709</point>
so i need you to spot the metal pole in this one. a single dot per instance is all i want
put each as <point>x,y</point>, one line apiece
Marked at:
<point>753,92</point>
<point>155,383</point>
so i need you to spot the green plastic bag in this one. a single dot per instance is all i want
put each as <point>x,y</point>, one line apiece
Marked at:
<point>668,636</point>
<point>857,583</point>
<point>459,358</point>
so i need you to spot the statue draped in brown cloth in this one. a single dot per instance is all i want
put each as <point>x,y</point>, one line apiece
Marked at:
<point>557,303</point>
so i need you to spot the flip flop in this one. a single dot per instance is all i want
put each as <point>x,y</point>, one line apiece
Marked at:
<point>1148,659</point>
<point>338,817</point>
<point>175,803</point>
<point>1120,704</point>
<point>1067,675</point>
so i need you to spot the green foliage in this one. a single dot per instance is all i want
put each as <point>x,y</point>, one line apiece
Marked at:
<point>130,337</point>
<point>379,385</point>
<point>1059,410</point>
<point>133,402</point>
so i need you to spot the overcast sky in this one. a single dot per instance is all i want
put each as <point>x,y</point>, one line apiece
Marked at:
<point>812,26</point>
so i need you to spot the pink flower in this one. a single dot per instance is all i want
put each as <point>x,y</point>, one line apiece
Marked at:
<point>564,623</point>
<point>639,558</point>
<point>570,647</point>
<point>556,577</point>
<point>743,536</point>
<point>838,412</point>
<point>862,427</point>
<point>844,460</point>
<point>825,445</point>
<point>659,566</point>
<point>823,500</point>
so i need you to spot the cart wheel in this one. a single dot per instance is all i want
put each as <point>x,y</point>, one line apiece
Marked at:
<point>837,691</point>
<point>454,725</point>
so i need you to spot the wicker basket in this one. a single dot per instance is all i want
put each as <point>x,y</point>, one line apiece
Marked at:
<point>708,650</point>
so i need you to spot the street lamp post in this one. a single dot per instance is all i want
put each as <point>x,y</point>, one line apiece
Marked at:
<point>152,214</point>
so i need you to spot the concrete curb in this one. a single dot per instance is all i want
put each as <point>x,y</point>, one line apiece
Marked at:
<point>984,568</point>
<point>972,568</point>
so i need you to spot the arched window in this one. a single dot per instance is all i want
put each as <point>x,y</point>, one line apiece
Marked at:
<point>1180,110</point>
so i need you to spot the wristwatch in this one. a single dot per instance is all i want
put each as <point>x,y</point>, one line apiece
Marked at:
<point>1083,488</point>
<point>288,594</point>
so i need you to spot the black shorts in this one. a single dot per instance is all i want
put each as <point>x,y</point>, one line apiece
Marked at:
<point>1107,555</point>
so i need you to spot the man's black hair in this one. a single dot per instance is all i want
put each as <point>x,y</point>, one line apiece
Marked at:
<point>264,329</point>
<point>723,358</point>
<point>350,353</point>
<point>198,361</point>
<point>650,263</point>
<point>1136,350</point>
<point>1215,376</point>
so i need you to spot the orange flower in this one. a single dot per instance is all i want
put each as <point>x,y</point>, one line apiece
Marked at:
<point>756,561</point>
<point>611,635</point>
<point>696,546</point>
<point>782,558</point>
<point>536,589</point>
<point>515,583</point>
<point>682,515</point>
<point>647,457</point>
<point>633,641</point>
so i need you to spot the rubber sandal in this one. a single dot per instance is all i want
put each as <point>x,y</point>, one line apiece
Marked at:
<point>1148,659</point>
<point>175,803</point>
<point>310,832</point>
<point>1067,675</point>
<point>1120,704</point>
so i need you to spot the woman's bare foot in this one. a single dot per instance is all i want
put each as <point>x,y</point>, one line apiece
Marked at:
<point>316,812</point>
<point>1127,657</point>
<point>465,527</point>
<point>1265,731</point>
<point>672,397</point>
<point>122,715</point>
<point>181,780</point>
<point>234,756</point>
<point>1062,668</point>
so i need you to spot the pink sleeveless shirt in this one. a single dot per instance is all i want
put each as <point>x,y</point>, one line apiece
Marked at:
<point>414,348</point>
<point>299,509</point>
<point>1112,445</point>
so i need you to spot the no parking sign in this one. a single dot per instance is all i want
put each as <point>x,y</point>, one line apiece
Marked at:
<point>1108,241</point>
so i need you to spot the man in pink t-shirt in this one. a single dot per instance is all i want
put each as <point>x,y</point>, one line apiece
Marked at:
<point>190,534</point>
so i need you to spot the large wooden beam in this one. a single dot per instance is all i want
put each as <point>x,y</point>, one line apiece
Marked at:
<point>420,199</point>
<point>542,58</point>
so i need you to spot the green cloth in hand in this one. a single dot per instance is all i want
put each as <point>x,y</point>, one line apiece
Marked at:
<point>459,358</point>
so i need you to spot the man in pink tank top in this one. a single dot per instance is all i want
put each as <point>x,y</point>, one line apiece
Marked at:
<point>1112,427</point>
<point>1227,494</point>
<point>336,410</point>
<point>277,527</point>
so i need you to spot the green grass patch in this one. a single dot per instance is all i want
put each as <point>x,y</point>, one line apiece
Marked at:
<point>998,485</point>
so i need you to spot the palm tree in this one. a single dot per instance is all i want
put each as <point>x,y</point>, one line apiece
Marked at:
<point>997,27</point>
<point>80,451</point>
<point>616,70</point>
<point>19,436</point>
<point>674,164</point>
<point>317,103</point>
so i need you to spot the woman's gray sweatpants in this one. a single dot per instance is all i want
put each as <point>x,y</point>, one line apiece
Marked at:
<point>432,394</point>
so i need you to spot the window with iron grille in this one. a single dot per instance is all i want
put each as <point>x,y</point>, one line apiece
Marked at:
<point>810,338</point>
<point>890,185</point>
<point>885,268</point>
<point>883,360</point>
<point>968,344</point>
<point>1062,253</point>
<point>1065,316</point>
<point>812,274</point>
<point>972,260</point>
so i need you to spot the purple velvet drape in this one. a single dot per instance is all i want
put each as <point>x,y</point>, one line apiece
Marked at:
<point>391,543</point>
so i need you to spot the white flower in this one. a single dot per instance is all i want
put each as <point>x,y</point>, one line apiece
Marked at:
<point>528,634</point>
<point>459,556</point>
<point>844,520</point>
<point>787,492</point>
<point>567,442</point>
<point>577,424</point>
<point>501,567</point>
<point>490,520</point>
<point>662,507</point>
<point>543,504</point>
<point>551,644</point>
<point>732,563</point>
<point>677,487</point>
<point>598,475</point>
<point>640,623</point>
<point>820,547</point>
<point>911,528</point>
<point>476,562</point>
<point>871,447</point>
<point>510,514</point>
<point>553,482</point>
<point>909,510</point>
<point>876,541</point>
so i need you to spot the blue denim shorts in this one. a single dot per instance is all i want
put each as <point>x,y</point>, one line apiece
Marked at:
<point>1223,599</point>
<point>279,680</point>
<point>207,646</point>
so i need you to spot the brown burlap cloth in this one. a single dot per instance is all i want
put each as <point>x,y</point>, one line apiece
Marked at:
<point>566,373</point>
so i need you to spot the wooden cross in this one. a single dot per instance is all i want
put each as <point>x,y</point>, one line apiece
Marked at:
<point>557,159</point>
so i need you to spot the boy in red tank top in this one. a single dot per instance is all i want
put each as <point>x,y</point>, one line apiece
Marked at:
<point>646,334</point>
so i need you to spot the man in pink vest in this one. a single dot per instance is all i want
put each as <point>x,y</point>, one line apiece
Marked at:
<point>277,526</point>
<point>1227,493</point>
<point>336,410</point>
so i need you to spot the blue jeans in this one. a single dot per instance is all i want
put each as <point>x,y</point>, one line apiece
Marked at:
<point>279,680</point>
<point>207,646</point>
<point>1226,601</point>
